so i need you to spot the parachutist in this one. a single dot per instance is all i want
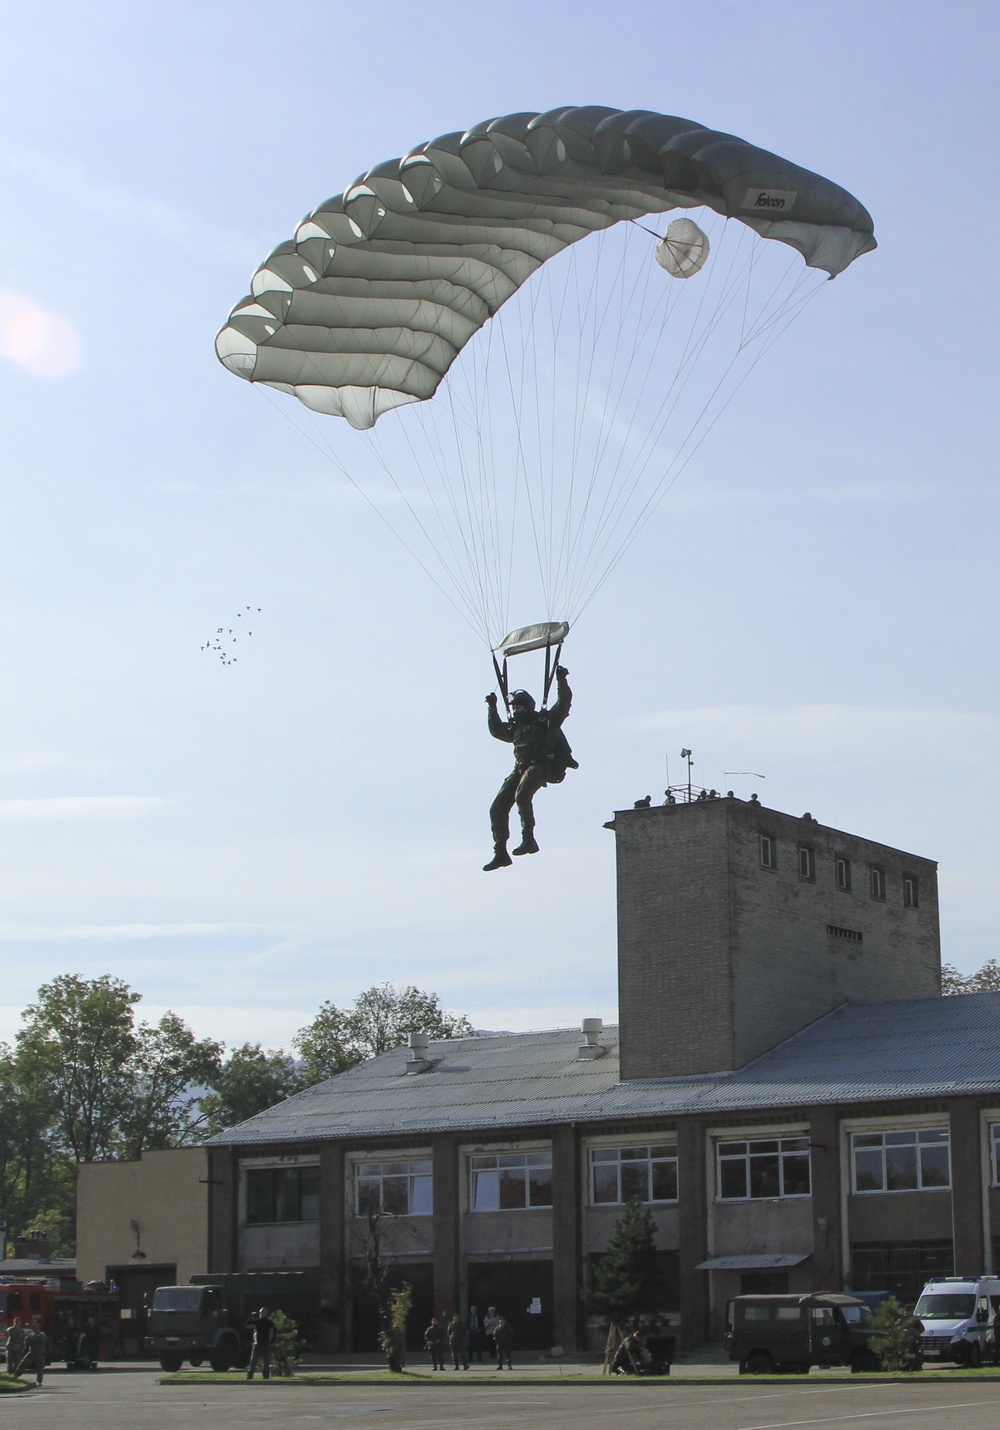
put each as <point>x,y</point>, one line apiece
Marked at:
<point>541,756</point>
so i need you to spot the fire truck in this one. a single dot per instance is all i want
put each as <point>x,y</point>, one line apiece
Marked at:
<point>62,1314</point>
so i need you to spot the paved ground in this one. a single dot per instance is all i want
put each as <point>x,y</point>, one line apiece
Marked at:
<point>131,1399</point>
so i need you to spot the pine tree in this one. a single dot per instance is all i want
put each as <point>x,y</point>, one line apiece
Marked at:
<point>626,1285</point>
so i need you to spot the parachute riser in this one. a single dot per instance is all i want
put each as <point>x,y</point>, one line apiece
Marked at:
<point>551,666</point>
<point>501,673</point>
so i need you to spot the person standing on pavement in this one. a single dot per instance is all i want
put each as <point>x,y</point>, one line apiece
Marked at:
<point>264,1333</point>
<point>15,1345</point>
<point>434,1342</point>
<point>490,1322</point>
<point>503,1339</point>
<point>457,1340</point>
<point>475,1340</point>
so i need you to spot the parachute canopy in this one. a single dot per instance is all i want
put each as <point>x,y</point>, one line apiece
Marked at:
<point>369,304</point>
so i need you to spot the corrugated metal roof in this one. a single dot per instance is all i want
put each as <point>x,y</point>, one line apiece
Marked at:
<point>916,1048</point>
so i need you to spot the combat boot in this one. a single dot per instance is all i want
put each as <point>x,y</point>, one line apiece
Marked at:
<point>500,859</point>
<point>527,844</point>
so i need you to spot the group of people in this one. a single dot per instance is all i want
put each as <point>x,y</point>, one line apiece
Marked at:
<point>468,1338</point>
<point>27,1350</point>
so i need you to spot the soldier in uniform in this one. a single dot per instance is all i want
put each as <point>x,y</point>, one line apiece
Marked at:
<point>16,1337</point>
<point>458,1341</point>
<point>36,1353</point>
<point>531,733</point>
<point>434,1342</point>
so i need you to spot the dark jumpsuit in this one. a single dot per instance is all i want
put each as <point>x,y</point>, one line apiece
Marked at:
<point>530,738</point>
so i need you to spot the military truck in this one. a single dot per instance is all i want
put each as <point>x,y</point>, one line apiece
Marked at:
<point>207,1319</point>
<point>786,1334</point>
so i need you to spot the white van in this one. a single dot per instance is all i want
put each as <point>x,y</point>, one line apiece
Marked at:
<point>960,1316</point>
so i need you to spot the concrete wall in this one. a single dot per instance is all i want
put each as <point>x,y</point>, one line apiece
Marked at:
<point>165,1192</point>
<point>274,1247</point>
<point>675,1009</point>
<point>707,935</point>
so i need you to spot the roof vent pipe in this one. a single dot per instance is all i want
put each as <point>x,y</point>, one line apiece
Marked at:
<point>591,1047</point>
<point>418,1061</point>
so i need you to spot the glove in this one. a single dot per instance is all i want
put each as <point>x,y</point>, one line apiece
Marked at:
<point>561,670</point>
<point>491,699</point>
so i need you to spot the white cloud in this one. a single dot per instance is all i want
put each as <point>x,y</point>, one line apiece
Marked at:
<point>838,729</point>
<point>31,762</point>
<point>61,933</point>
<point>61,808</point>
<point>150,217</point>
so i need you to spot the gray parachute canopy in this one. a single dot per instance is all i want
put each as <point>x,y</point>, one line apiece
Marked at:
<point>367,307</point>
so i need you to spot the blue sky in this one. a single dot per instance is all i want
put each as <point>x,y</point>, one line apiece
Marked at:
<point>816,600</point>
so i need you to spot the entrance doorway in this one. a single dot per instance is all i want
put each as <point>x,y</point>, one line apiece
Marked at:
<point>521,1291</point>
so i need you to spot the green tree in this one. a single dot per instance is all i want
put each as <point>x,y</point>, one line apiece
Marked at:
<point>626,1284</point>
<point>288,1347</point>
<point>79,1038</point>
<point>168,1067</point>
<point>30,1177</point>
<point>392,1337</point>
<point>984,980</point>
<point>249,1081</point>
<point>382,1017</point>
<point>83,1083</point>
<point>897,1335</point>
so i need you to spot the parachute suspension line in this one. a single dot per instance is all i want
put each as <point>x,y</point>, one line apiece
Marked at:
<point>522,473</point>
<point>458,580</point>
<point>601,546</point>
<point>694,348</point>
<point>651,231</point>
<point>613,312</point>
<point>624,479</point>
<point>664,485</point>
<point>611,385</point>
<point>327,452</point>
<point>691,442</point>
<point>464,578</point>
<point>620,384</point>
<point>473,526</point>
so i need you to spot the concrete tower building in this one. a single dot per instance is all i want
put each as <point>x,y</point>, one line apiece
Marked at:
<point>739,926</point>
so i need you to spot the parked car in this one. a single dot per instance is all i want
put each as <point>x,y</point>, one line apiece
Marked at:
<point>787,1334</point>
<point>959,1318</point>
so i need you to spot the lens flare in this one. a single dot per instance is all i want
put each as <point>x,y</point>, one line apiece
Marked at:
<point>41,343</point>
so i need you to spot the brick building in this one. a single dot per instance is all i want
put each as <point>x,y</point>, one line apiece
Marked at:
<point>786,1090</point>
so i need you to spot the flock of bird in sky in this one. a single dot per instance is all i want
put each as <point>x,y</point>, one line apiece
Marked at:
<point>225,637</point>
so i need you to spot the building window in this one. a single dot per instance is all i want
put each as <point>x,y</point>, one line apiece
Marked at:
<point>914,1161</point>
<point>619,1174</point>
<point>775,1167</point>
<point>995,1146</point>
<point>902,1267</point>
<point>282,1194</point>
<point>843,868</point>
<point>404,1188</point>
<point>807,862</point>
<point>511,1181</point>
<point>911,891</point>
<point>876,877</point>
<point>851,935</point>
<point>768,851</point>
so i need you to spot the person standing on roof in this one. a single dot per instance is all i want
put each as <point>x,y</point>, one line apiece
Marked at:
<point>534,734</point>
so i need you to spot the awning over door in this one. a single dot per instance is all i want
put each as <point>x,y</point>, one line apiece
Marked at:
<point>773,1261</point>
